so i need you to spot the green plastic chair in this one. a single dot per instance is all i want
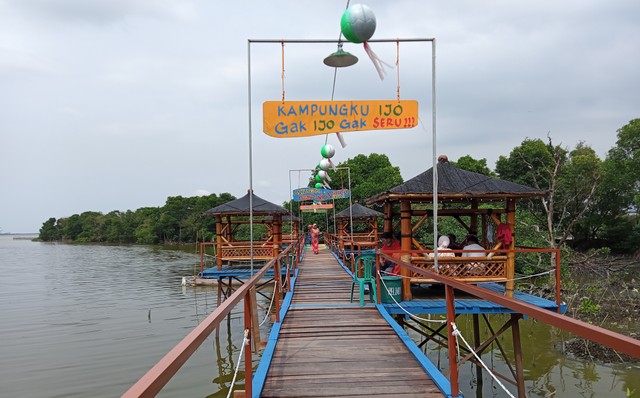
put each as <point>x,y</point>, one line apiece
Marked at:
<point>368,266</point>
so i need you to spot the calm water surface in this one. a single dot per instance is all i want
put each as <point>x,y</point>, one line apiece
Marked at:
<point>89,320</point>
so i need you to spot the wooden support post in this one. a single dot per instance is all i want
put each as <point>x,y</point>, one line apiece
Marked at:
<point>276,287</point>
<point>255,330</point>
<point>517,352</point>
<point>474,217</point>
<point>249,301</point>
<point>453,353</point>
<point>219,242</point>
<point>277,234</point>
<point>405,245</point>
<point>511,259</point>
<point>477,341</point>
<point>388,217</point>
<point>340,237</point>
<point>218,303</point>
<point>558,290</point>
<point>374,228</point>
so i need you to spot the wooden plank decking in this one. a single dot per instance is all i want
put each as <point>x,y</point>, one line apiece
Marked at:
<point>331,348</point>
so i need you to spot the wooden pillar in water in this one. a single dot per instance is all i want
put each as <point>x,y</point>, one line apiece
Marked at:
<point>405,244</point>
<point>517,352</point>
<point>255,325</point>
<point>476,344</point>
<point>511,261</point>
<point>451,341</point>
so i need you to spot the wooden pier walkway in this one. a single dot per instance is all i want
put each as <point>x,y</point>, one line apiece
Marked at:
<point>328,347</point>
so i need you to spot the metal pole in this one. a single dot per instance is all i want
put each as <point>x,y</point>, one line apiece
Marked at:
<point>250,160</point>
<point>435,156</point>
<point>350,204</point>
<point>290,206</point>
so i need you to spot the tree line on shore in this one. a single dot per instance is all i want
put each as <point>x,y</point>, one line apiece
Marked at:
<point>591,202</point>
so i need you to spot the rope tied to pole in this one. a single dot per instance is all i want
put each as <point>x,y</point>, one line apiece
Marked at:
<point>245,343</point>
<point>404,310</point>
<point>458,335</point>
<point>273,295</point>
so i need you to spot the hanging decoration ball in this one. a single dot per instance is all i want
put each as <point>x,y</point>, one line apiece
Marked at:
<point>323,175</point>
<point>319,185</point>
<point>318,178</point>
<point>324,164</point>
<point>358,23</point>
<point>327,151</point>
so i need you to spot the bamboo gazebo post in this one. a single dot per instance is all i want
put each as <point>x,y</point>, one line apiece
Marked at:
<point>406,239</point>
<point>511,261</point>
<point>219,242</point>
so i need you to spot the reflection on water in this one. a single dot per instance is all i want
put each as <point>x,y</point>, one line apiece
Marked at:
<point>89,320</point>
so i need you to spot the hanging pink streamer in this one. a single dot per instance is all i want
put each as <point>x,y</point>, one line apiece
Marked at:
<point>377,62</point>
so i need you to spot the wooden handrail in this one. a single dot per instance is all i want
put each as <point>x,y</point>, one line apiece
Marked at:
<point>617,341</point>
<point>159,375</point>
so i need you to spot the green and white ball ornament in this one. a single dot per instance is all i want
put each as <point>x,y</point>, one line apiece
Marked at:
<point>327,151</point>
<point>324,164</point>
<point>358,23</point>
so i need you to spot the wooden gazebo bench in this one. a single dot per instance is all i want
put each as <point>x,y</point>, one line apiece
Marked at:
<point>241,252</point>
<point>491,268</point>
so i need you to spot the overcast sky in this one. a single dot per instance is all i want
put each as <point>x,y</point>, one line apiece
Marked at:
<point>118,104</point>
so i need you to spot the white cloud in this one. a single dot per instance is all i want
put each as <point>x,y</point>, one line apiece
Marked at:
<point>117,104</point>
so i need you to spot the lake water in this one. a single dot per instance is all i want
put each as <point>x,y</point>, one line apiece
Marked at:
<point>90,320</point>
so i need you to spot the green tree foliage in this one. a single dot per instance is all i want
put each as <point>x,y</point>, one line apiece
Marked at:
<point>538,165</point>
<point>49,232</point>
<point>626,159</point>
<point>370,175</point>
<point>180,220</point>
<point>532,164</point>
<point>607,223</point>
<point>475,165</point>
<point>577,183</point>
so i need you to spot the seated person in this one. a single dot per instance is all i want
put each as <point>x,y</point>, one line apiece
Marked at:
<point>443,248</point>
<point>389,243</point>
<point>454,245</point>
<point>472,243</point>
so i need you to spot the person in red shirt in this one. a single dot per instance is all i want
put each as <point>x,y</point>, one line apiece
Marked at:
<point>315,238</point>
<point>389,243</point>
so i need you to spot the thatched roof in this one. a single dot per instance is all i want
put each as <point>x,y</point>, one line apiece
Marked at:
<point>455,184</point>
<point>287,218</point>
<point>240,206</point>
<point>359,211</point>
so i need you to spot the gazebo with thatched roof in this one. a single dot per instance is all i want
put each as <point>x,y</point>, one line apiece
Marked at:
<point>483,202</point>
<point>232,215</point>
<point>356,214</point>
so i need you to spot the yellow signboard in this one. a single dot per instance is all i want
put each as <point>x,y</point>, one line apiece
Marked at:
<point>289,119</point>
